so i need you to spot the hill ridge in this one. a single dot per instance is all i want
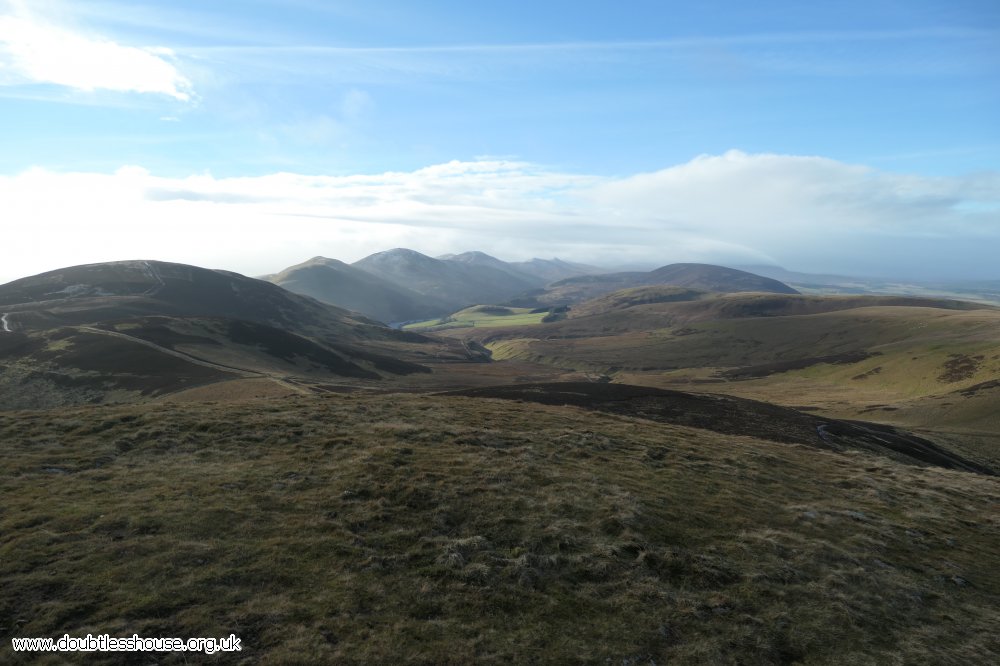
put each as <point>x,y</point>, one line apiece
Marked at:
<point>129,330</point>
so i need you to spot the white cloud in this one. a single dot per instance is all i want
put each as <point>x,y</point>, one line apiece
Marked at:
<point>806,213</point>
<point>771,196</point>
<point>35,51</point>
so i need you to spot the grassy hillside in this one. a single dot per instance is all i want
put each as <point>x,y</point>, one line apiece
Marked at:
<point>966,420</point>
<point>925,364</point>
<point>734,416</point>
<point>124,289</point>
<point>131,330</point>
<point>899,348</point>
<point>446,530</point>
<point>702,277</point>
<point>699,305</point>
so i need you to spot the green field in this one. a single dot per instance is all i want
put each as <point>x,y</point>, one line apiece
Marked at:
<point>481,316</point>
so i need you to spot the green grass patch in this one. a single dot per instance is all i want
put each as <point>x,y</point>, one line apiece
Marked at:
<point>481,316</point>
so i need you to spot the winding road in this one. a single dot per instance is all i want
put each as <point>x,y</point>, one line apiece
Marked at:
<point>6,324</point>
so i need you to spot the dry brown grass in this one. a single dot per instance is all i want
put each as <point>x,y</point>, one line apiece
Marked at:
<point>414,529</point>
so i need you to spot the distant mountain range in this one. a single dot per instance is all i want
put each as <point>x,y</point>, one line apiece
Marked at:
<point>543,271</point>
<point>403,285</point>
<point>457,282</point>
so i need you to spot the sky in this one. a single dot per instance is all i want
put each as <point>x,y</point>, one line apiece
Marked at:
<point>857,137</point>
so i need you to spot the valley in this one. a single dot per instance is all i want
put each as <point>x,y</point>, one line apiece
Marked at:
<point>927,364</point>
<point>499,333</point>
<point>668,473</point>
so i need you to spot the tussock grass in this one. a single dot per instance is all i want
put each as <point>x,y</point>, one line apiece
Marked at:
<point>415,529</point>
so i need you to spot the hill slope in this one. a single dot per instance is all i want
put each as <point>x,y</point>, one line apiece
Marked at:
<point>476,258</point>
<point>106,291</point>
<point>735,416</point>
<point>716,278</point>
<point>704,277</point>
<point>434,529</point>
<point>539,271</point>
<point>663,329</point>
<point>126,330</point>
<point>911,361</point>
<point>458,283</point>
<point>345,286</point>
<point>552,270</point>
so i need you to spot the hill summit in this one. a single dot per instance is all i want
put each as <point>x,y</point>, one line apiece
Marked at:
<point>705,277</point>
<point>346,286</point>
<point>469,280</point>
<point>127,330</point>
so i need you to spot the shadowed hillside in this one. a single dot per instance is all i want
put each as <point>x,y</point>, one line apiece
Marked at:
<point>124,331</point>
<point>734,416</point>
<point>339,284</point>
<point>703,277</point>
<point>458,283</point>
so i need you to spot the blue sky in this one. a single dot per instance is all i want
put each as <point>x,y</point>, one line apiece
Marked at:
<point>181,110</point>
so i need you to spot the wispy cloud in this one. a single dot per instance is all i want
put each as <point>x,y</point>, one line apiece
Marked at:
<point>852,55</point>
<point>34,51</point>
<point>760,39</point>
<point>807,213</point>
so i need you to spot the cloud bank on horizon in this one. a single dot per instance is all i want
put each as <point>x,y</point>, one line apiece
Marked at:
<point>804,213</point>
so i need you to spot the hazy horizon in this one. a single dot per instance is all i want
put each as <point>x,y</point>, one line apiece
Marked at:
<point>610,266</point>
<point>860,139</point>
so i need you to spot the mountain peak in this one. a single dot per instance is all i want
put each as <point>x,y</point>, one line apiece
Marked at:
<point>401,252</point>
<point>718,278</point>
<point>472,255</point>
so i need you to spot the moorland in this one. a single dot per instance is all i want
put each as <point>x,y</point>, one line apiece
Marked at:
<point>534,463</point>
